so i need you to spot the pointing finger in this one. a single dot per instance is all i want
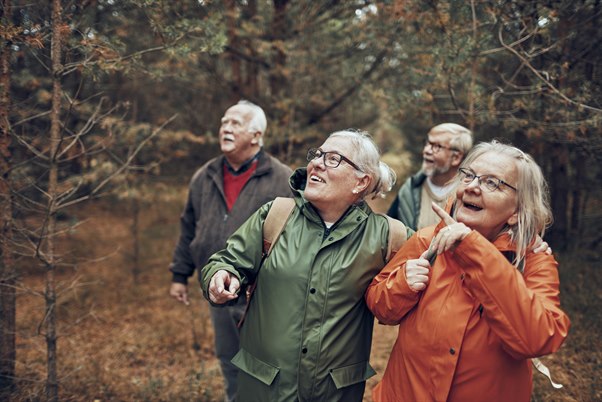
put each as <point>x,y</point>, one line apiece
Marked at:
<point>445,217</point>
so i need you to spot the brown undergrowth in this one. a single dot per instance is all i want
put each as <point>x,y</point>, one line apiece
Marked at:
<point>127,340</point>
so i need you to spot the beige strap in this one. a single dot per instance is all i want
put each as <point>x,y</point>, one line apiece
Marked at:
<point>275,221</point>
<point>398,234</point>
<point>274,224</point>
<point>545,371</point>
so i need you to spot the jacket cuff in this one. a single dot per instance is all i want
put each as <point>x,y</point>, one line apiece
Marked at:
<point>179,278</point>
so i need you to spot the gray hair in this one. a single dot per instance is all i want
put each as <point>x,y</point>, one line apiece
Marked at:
<point>258,120</point>
<point>367,157</point>
<point>533,198</point>
<point>462,137</point>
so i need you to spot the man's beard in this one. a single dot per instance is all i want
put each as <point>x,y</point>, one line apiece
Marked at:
<point>431,171</point>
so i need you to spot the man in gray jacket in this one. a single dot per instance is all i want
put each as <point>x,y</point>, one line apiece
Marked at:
<point>444,149</point>
<point>223,193</point>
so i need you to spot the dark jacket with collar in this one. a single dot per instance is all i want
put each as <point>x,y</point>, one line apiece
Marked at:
<point>206,223</point>
<point>406,206</point>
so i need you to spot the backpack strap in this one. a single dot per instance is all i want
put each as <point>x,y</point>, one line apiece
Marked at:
<point>398,234</point>
<point>275,222</point>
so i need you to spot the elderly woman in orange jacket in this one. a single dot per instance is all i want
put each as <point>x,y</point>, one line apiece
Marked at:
<point>471,319</point>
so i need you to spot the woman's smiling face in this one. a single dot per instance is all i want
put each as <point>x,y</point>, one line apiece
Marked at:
<point>332,189</point>
<point>485,211</point>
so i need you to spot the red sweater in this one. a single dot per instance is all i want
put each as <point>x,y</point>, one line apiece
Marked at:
<point>235,181</point>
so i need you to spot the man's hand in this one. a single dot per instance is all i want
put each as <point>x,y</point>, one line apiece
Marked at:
<point>179,291</point>
<point>223,287</point>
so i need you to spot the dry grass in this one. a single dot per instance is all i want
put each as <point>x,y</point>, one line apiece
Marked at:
<point>126,340</point>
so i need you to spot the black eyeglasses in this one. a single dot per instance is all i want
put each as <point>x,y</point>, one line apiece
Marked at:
<point>331,159</point>
<point>490,183</point>
<point>438,147</point>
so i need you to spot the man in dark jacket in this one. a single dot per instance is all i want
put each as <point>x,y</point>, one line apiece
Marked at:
<point>223,193</point>
<point>443,151</point>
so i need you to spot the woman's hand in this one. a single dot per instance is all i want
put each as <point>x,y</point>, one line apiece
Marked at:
<point>417,272</point>
<point>449,236</point>
<point>541,246</point>
<point>223,287</point>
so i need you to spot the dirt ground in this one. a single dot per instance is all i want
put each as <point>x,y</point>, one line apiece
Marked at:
<point>124,339</point>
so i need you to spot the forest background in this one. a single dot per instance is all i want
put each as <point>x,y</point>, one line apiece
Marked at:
<point>107,107</point>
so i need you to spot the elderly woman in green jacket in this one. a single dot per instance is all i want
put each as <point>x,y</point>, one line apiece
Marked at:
<point>308,332</point>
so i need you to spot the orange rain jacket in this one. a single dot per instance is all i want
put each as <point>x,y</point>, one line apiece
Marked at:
<point>469,335</point>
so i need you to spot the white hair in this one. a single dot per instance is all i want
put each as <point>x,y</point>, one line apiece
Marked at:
<point>367,157</point>
<point>462,137</point>
<point>258,120</point>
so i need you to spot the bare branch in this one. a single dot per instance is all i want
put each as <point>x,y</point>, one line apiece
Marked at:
<point>125,165</point>
<point>69,68</point>
<point>33,117</point>
<point>90,123</point>
<point>539,75</point>
<point>31,148</point>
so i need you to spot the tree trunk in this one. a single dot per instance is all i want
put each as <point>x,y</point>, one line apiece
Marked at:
<point>472,95</point>
<point>559,181</point>
<point>49,249</point>
<point>7,268</point>
<point>252,68</point>
<point>579,188</point>
<point>234,43</point>
<point>278,81</point>
<point>135,231</point>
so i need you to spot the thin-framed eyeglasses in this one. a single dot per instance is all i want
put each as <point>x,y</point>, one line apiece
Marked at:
<point>435,147</point>
<point>487,182</point>
<point>331,159</point>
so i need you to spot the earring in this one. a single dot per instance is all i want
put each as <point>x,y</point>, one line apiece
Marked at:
<point>354,191</point>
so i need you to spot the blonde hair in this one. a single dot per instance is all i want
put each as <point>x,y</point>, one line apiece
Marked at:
<point>532,195</point>
<point>367,157</point>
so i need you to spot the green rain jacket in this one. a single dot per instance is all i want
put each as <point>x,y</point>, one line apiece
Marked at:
<point>308,332</point>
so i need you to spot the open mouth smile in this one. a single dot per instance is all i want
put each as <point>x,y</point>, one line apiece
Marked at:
<point>316,179</point>
<point>471,207</point>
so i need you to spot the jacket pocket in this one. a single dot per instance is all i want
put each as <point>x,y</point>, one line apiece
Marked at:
<point>251,365</point>
<point>349,375</point>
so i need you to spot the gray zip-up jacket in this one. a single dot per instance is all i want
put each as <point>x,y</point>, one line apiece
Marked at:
<point>206,223</point>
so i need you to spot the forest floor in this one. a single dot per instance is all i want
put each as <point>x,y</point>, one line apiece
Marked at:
<point>122,338</point>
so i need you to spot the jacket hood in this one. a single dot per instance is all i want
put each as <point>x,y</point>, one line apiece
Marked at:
<point>298,180</point>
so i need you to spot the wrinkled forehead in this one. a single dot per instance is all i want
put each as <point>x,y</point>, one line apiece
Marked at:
<point>495,164</point>
<point>241,113</point>
<point>440,136</point>
<point>340,145</point>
